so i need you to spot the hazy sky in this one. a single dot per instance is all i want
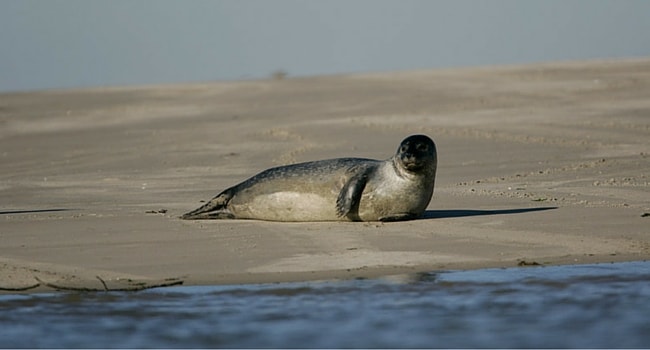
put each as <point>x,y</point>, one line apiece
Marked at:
<point>78,43</point>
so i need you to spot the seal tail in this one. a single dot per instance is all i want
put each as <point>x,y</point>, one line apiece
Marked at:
<point>203,212</point>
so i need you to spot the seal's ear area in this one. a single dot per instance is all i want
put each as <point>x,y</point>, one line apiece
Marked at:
<point>347,203</point>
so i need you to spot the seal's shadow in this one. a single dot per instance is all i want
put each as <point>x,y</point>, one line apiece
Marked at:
<point>459,213</point>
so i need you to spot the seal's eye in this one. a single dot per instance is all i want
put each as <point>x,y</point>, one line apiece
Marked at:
<point>403,148</point>
<point>422,147</point>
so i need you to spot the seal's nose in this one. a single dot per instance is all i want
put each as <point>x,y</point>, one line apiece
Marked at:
<point>408,158</point>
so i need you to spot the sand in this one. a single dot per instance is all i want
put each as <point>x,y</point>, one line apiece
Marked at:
<point>538,164</point>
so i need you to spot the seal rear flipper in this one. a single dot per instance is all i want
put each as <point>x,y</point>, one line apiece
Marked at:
<point>347,203</point>
<point>217,203</point>
<point>222,214</point>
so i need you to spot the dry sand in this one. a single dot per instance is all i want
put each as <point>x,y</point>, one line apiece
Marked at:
<point>545,163</point>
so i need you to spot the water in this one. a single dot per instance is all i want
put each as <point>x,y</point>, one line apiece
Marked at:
<point>600,305</point>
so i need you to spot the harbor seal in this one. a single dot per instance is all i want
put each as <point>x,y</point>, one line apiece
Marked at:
<point>342,189</point>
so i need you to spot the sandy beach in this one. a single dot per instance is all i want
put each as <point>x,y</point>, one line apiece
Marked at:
<point>537,164</point>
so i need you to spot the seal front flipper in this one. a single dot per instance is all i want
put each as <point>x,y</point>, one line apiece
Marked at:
<point>398,217</point>
<point>347,203</point>
<point>217,203</point>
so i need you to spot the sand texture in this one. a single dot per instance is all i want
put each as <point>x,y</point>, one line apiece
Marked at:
<point>537,164</point>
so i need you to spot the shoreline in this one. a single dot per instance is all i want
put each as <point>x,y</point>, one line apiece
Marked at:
<point>56,279</point>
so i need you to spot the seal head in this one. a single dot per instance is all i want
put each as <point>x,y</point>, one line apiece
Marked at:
<point>417,154</point>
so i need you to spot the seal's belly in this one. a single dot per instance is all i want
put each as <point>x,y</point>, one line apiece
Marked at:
<point>287,206</point>
<point>393,198</point>
<point>374,209</point>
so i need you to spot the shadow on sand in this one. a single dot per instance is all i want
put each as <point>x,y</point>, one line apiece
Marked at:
<point>33,211</point>
<point>459,213</point>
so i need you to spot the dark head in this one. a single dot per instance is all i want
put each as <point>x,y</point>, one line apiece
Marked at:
<point>417,154</point>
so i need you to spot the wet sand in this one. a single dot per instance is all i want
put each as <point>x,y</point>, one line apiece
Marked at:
<point>538,164</point>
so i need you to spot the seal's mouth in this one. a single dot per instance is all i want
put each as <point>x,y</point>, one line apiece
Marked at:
<point>410,162</point>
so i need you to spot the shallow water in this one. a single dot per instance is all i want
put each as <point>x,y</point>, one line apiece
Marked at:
<point>600,305</point>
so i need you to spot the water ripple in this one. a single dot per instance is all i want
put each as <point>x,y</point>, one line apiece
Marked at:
<point>601,305</point>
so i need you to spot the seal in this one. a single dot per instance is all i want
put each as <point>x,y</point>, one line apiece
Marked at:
<point>341,189</point>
